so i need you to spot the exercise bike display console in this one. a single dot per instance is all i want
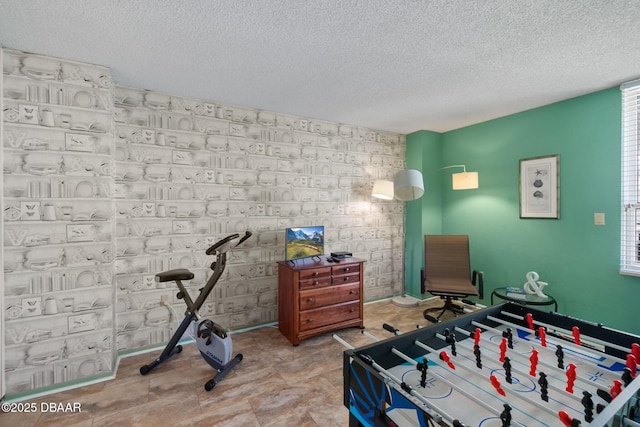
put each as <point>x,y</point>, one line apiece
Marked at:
<point>212,340</point>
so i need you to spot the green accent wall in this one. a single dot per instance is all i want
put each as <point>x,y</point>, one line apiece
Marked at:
<point>578,259</point>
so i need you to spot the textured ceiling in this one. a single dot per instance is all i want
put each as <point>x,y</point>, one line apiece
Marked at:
<point>396,65</point>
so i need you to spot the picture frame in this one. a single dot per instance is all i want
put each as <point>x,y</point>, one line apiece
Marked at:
<point>181,157</point>
<point>30,211</point>
<point>540,187</point>
<point>31,306</point>
<point>28,114</point>
<point>182,227</point>
<point>82,323</point>
<point>79,142</point>
<point>82,233</point>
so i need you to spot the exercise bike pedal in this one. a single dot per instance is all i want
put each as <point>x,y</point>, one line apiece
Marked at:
<point>222,372</point>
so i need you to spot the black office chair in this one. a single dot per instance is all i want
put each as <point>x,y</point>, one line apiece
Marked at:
<point>447,272</point>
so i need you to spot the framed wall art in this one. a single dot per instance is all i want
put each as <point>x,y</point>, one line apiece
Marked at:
<point>540,187</point>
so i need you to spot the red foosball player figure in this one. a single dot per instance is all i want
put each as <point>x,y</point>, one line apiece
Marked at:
<point>635,350</point>
<point>476,337</point>
<point>534,362</point>
<point>576,335</point>
<point>543,336</point>
<point>495,382</point>
<point>530,321</point>
<point>571,377</point>
<point>444,356</point>
<point>567,420</point>
<point>632,364</point>
<point>616,389</point>
<point>503,349</point>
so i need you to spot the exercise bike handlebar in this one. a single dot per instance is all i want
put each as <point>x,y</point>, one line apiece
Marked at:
<point>225,244</point>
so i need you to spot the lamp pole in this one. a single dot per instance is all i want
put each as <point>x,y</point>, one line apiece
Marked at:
<point>408,185</point>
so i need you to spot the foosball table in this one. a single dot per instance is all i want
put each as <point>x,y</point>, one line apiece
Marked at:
<point>504,365</point>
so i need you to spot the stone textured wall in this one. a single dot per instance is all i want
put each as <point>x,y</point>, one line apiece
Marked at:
<point>106,185</point>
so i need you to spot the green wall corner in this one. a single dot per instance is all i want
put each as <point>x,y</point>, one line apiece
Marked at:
<point>578,259</point>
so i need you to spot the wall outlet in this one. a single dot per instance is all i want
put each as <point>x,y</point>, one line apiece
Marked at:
<point>164,300</point>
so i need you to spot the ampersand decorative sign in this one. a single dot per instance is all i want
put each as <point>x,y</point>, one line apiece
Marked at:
<point>533,286</point>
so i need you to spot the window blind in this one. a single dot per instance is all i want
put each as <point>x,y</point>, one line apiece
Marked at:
<point>630,233</point>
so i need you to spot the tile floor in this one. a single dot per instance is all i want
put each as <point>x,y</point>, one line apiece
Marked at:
<point>276,384</point>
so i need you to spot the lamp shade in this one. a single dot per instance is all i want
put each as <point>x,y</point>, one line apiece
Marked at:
<point>383,189</point>
<point>408,185</point>
<point>464,180</point>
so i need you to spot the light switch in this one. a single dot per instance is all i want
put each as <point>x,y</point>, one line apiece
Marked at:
<point>598,218</point>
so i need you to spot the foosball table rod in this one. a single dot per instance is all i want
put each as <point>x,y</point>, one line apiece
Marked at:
<point>370,336</point>
<point>343,342</point>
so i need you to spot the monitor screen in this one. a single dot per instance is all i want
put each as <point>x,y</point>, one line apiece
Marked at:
<point>303,242</point>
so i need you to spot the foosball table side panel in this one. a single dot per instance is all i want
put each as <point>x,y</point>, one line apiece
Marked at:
<point>368,396</point>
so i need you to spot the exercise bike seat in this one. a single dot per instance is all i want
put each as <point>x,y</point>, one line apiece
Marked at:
<point>173,275</point>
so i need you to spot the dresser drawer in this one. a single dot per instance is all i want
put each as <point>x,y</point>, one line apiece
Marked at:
<point>329,296</point>
<point>310,319</point>
<point>345,269</point>
<point>315,283</point>
<point>346,278</point>
<point>314,273</point>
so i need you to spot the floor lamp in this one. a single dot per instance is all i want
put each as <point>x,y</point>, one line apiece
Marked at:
<point>407,185</point>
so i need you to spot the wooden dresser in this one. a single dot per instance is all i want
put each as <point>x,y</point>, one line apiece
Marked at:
<point>317,296</point>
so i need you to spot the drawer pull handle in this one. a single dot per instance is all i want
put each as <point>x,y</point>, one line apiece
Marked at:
<point>351,292</point>
<point>309,300</point>
<point>352,310</point>
<point>316,283</point>
<point>347,269</point>
<point>346,279</point>
<point>310,321</point>
<point>316,274</point>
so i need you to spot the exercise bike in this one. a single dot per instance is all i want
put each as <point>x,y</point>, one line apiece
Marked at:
<point>213,342</point>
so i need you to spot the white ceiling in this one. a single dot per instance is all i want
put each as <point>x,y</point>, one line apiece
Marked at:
<point>395,65</point>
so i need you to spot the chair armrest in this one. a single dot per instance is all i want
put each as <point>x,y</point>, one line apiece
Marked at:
<point>477,279</point>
